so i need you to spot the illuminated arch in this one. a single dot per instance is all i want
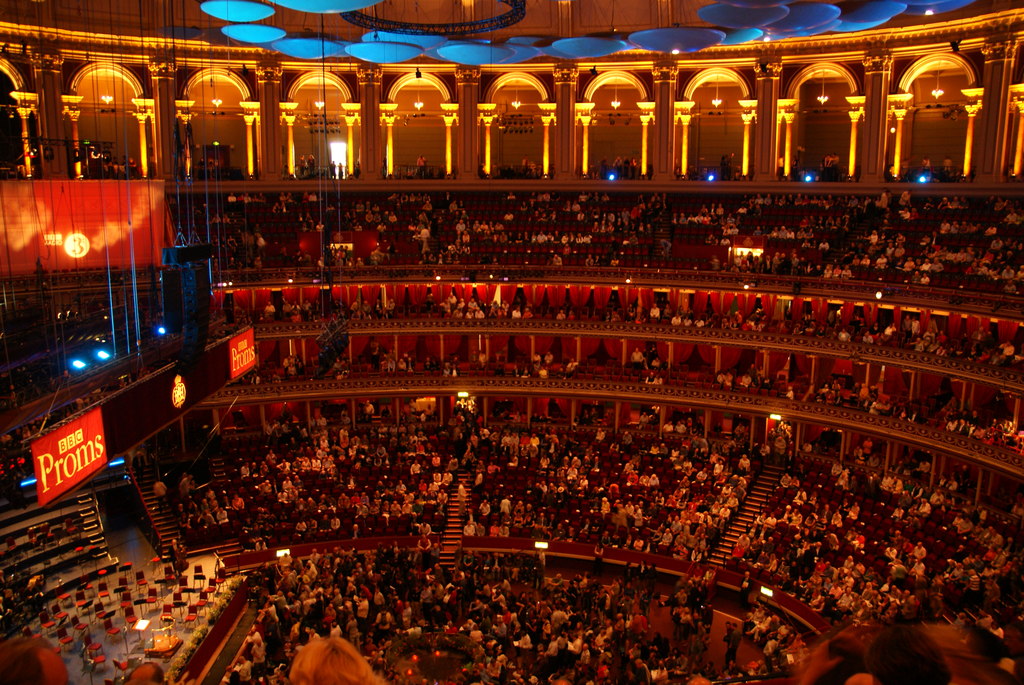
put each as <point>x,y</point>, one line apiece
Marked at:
<point>615,78</point>
<point>813,71</point>
<point>316,78</point>
<point>936,62</point>
<point>107,68</point>
<point>716,75</point>
<point>410,79</point>
<point>218,72</point>
<point>517,78</point>
<point>12,73</point>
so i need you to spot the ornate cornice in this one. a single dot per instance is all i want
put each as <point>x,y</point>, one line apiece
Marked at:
<point>1003,377</point>
<point>369,76</point>
<point>467,76</point>
<point>565,74</point>
<point>162,69</point>
<point>924,437</point>
<point>665,72</point>
<point>996,50</point>
<point>876,63</point>
<point>47,61</point>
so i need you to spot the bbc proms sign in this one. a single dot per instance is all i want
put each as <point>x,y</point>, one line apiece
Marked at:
<point>68,456</point>
<point>242,353</point>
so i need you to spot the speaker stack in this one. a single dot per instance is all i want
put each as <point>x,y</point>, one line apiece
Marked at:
<point>186,298</point>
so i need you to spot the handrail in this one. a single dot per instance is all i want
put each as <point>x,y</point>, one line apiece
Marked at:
<point>999,459</point>
<point>159,546</point>
<point>1003,377</point>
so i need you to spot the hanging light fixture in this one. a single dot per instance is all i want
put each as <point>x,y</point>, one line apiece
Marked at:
<point>717,101</point>
<point>319,104</point>
<point>615,98</point>
<point>937,91</point>
<point>107,99</point>
<point>418,104</point>
<point>516,104</point>
<point>822,98</point>
<point>217,102</point>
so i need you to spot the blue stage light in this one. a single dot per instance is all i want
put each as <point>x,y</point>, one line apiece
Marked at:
<point>77,364</point>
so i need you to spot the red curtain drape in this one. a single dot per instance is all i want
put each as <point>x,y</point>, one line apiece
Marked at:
<point>777,362</point>
<point>588,347</point>
<point>747,301</point>
<point>925,319</point>
<point>601,295</point>
<point>715,299</point>
<point>983,394</point>
<point>575,294</point>
<point>433,345</point>
<point>406,344</point>
<point>700,302</point>
<point>796,311</point>
<point>707,354</point>
<point>613,349</point>
<point>663,351</point>
<point>820,309</point>
<point>972,324</point>
<point>928,384</point>
<point>269,352</point>
<point>870,314</point>
<point>556,295</point>
<point>953,325</point>
<point>730,356</point>
<point>846,313</point>
<point>894,383</point>
<point>1007,330</point>
<point>542,343</point>
<point>646,298</point>
<point>499,346</point>
<point>681,353</point>
<point>768,303</point>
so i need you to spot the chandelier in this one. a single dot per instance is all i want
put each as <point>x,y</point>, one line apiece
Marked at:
<point>615,100</point>
<point>937,91</point>
<point>822,98</point>
<point>717,100</point>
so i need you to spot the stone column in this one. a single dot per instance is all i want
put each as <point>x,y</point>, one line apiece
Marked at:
<point>786,115</point>
<point>565,115</point>
<point>748,115</point>
<point>27,106</point>
<point>268,86</point>
<point>288,117</point>
<point>183,111</point>
<point>684,117</point>
<point>144,113</point>
<point>486,110</point>
<point>162,74</point>
<point>766,149</point>
<point>450,114</point>
<point>899,104</point>
<point>49,114</point>
<point>467,84</point>
<point>352,117</point>
<point>251,115</point>
<point>72,112</point>
<point>647,117</point>
<point>585,118</point>
<point>856,114</point>
<point>388,117</point>
<point>664,122</point>
<point>997,75</point>
<point>973,107</point>
<point>547,117</point>
<point>877,77</point>
<point>1018,147</point>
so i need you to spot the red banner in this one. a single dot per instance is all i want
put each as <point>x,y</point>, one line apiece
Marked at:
<point>66,457</point>
<point>242,353</point>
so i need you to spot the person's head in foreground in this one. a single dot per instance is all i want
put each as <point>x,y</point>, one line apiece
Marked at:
<point>31,661</point>
<point>331,661</point>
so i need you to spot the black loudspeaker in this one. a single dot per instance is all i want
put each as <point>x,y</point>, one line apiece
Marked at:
<point>277,299</point>
<point>195,298</point>
<point>180,256</point>
<point>229,307</point>
<point>170,293</point>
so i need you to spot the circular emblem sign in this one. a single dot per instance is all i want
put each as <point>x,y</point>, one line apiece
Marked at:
<point>178,393</point>
<point>76,245</point>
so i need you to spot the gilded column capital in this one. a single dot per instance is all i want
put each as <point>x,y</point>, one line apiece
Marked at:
<point>368,75</point>
<point>162,69</point>
<point>877,63</point>
<point>766,69</point>
<point>267,73</point>
<point>467,76</point>
<point>996,50</point>
<point>46,61</point>
<point>565,74</point>
<point>664,72</point>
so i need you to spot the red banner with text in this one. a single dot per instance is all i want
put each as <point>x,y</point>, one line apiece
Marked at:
<point>242,353</point>
<point>68,456</point>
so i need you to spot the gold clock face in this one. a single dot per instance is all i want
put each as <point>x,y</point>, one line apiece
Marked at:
<point>76,245</point>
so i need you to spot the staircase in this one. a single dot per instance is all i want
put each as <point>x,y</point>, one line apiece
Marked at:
<point>451,540</point>
<point>743,519</point>
<point>165,525</point>
<point>91,526</point>
<point>219,473</point>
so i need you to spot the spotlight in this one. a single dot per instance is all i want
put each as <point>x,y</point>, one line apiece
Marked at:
<point>711,177</point>
<point>593,70</point>
<point>922,179</point>
<point>929,12</point>
<point>954,45</point>
<point>102,354</point>
<point>419,74</point>
<point>878,294</point>
<point>611,177</point>
<point>77,364</point>
<point>808,178</point>
<point>161,330</point>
